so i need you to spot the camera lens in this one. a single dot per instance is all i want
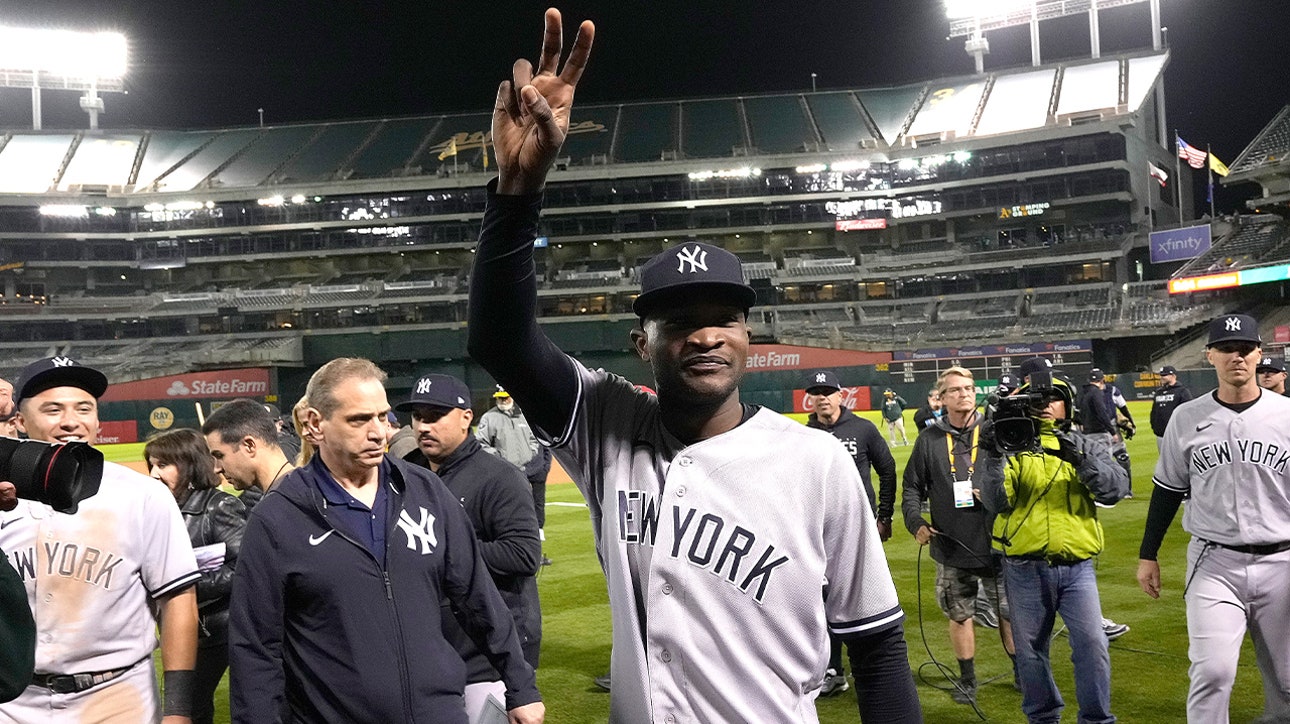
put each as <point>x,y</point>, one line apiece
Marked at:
<point>58,475</point>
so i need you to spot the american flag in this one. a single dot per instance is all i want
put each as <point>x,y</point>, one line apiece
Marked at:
<point>1195,157</point>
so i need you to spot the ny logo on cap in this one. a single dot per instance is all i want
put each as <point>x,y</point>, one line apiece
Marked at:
<point>695,256</point>
<point>62,362</point>
<point>820,377</point>
<point>423,385</point>
<point>1233,324</point>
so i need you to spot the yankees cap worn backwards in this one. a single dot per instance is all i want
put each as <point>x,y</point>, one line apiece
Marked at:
<point>437,391</point>
<point>50,372</point>
<point>1234,328</point>
<point>822,382</point>
<point>690,268</point>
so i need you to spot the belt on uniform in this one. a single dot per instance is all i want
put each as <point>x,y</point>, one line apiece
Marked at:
<point>72,683</point>
<point>1265,549</point>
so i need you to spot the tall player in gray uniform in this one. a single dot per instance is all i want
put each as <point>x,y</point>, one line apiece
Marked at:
<point>732,538</point>
<point>1228,454</point>
<point>94,578</point>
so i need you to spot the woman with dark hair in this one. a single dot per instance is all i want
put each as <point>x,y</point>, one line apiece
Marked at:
<point>215,520</point>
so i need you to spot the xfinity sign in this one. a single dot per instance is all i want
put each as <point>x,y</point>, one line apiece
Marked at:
<point>1179,244</point>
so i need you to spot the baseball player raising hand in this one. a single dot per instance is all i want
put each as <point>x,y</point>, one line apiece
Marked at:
<point>723,584</point>
<point>1229,453</point>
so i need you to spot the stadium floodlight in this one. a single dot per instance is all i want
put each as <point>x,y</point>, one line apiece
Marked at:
<point>973,18</point>
<point>63,60</point>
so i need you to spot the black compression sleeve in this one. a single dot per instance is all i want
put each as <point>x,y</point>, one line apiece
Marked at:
<point>885,690</point>
<point>1164,506</point>
<point>503,334</point>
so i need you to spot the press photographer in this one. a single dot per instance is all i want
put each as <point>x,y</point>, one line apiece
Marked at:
<point>1042,479</point>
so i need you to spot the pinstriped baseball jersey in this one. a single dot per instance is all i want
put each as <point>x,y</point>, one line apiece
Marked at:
<point>716,554</point>
<point>1236,468</point>
<point>91,577</point>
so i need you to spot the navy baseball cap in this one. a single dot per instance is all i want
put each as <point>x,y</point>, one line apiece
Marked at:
<point>823,379</point>
<point>1270,364</point>
<point>50,372</point>
<point>1033,365</point>
<point>1007,383</point>
<point>437,391</point>
<point>1234,328</point>
<point>692,267</point>
<point>1096,375</point>
<point>1167,370</point>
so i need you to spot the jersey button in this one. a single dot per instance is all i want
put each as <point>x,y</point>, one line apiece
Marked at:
<point>669,719</point>
<point>49,597</point>
<point>684,461</point>
<point>667,589</point>
<point>666,656</point>
<point>680,491</point>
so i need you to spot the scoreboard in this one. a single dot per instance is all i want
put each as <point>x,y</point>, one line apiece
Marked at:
<point>987,362</point>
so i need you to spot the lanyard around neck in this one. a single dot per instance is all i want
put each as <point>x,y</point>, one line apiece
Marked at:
<point>949,446</point>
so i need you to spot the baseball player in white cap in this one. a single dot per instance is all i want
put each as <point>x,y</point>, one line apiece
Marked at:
<point>732,538</point>
<point>1228,454</point>
<point>94,578</point>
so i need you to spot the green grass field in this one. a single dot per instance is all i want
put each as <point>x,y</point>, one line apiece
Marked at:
<point>1149,664</point>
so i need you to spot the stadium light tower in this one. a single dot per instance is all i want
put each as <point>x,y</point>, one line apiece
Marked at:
<point>63,60</point>
<point>973,18</point>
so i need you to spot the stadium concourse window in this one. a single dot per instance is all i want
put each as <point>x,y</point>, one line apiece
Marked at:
<point>575,305</point>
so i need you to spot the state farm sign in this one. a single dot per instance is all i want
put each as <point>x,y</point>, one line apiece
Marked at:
<point>249,382</point>
<point>775,357</point>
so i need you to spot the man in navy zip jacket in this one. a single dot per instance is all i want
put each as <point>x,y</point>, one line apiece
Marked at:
<point>336,611</point>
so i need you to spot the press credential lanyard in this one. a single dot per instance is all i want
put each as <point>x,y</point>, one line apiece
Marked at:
<point>963,497</point>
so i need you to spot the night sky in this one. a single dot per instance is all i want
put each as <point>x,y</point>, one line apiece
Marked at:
<point>212,63</point>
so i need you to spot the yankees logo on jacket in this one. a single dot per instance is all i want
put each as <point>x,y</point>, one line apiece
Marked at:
<point>299,575</point>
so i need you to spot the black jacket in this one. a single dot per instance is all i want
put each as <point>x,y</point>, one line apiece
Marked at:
<point>928,478</point>
<point>323,631</point>
<point>1167,397</point>
<point>17,634</point>
<point>213,516</point>
<point>250,497</point>
<point>926,416</point>
<point>866,446</point>
<point>499,502</point>
<point>1095,413</point>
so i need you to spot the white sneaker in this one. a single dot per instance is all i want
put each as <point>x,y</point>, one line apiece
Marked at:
<point>1113,630</point>
<point>834,683</point>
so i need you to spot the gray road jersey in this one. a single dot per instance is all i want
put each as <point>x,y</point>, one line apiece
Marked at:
<point>1236,467</point>
<point>716,555</point>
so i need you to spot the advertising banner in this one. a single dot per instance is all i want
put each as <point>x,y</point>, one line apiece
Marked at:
<point>1179,244</point>
<point>117,431</point>
<point>853,398</point>
<point>994,350</point>
<point>777,357</point>
<point>249,382</point>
